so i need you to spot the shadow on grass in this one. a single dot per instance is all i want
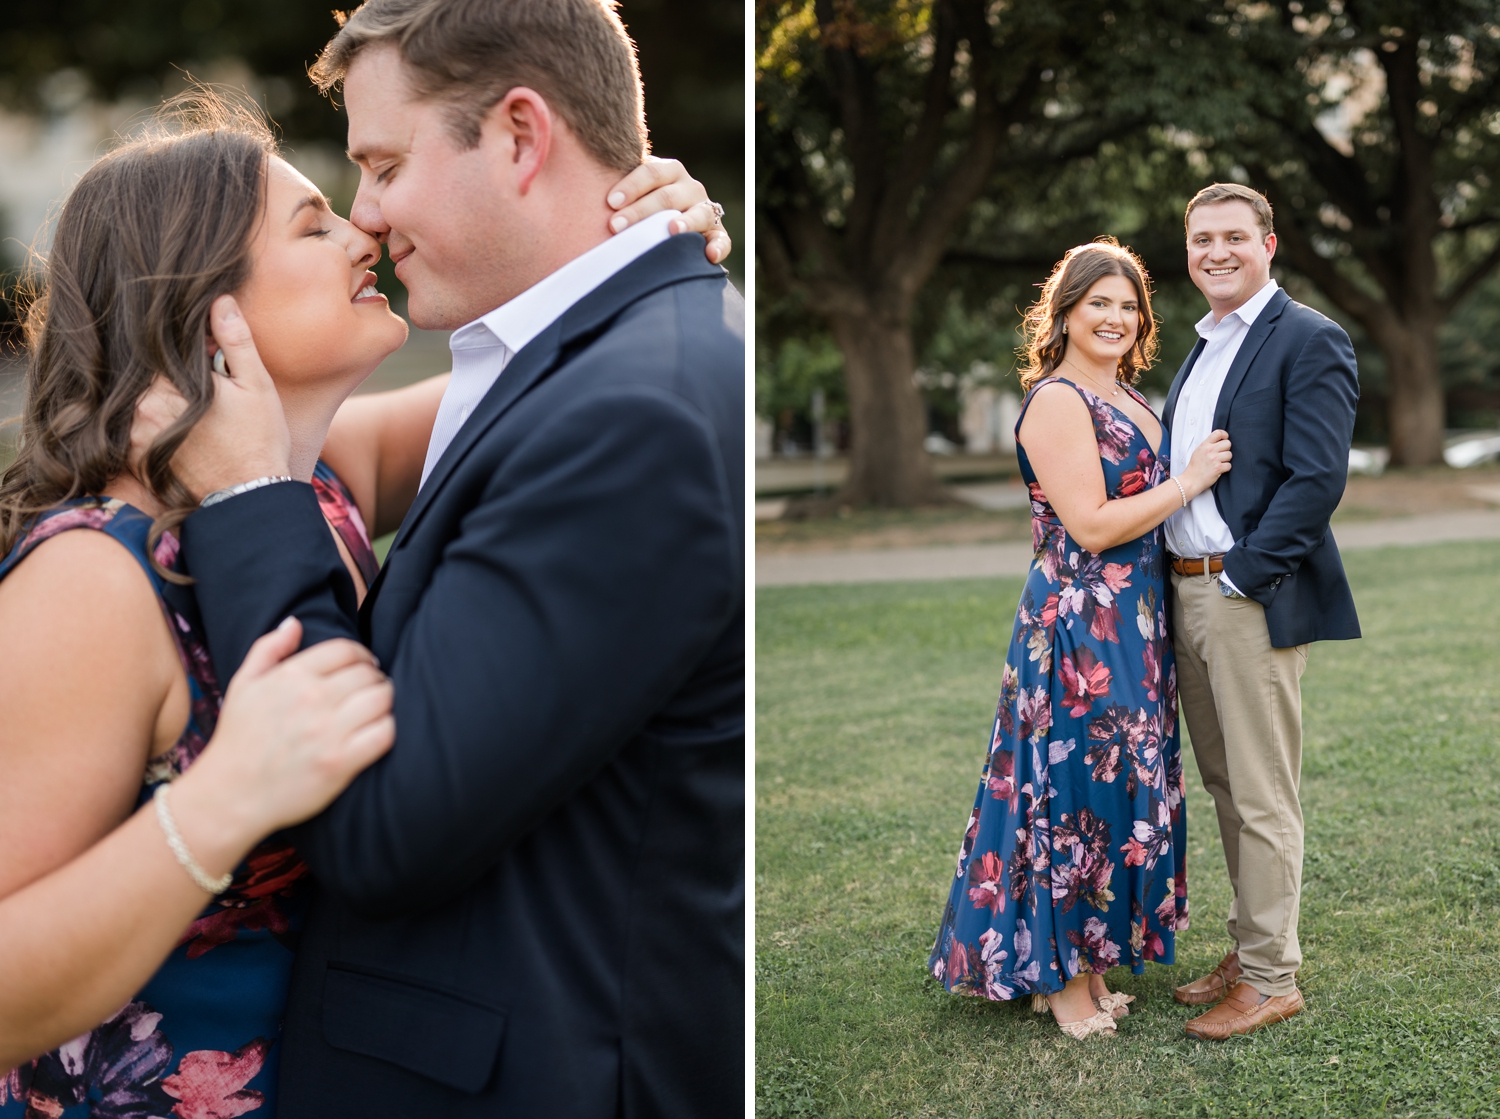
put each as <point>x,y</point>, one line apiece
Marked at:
<point>873,706</point>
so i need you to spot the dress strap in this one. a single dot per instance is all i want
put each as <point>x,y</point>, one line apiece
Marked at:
<point>342,513</point>
<point>111,516</point>
<point>1031,395</point>
<point>1140,398</point>
<point>132,528</point>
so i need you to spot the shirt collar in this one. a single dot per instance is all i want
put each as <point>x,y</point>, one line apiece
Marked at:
<point>1247,312</point>
<point>516,323</point>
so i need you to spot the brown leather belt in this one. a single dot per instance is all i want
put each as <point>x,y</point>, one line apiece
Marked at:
<point>1204,565</point>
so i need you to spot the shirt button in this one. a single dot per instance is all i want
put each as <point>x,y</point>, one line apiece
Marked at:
<point>463,413</point>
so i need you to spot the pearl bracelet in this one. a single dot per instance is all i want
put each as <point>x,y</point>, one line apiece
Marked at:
<point>179,848</point>
<point>1181,491</point>
<point>244,487</point>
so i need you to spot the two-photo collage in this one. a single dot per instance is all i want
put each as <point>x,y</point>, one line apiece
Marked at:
<point>632,558</point>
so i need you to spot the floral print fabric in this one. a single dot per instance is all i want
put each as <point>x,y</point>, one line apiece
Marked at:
<point>342,513</point>
<point>1074,857</point>
<point>199,1041</point>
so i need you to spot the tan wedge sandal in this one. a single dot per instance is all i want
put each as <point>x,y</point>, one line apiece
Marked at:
<point>1101,1023</point>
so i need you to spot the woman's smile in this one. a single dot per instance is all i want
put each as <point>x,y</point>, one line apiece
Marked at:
<point>300,261</point>
<point>367,292</point>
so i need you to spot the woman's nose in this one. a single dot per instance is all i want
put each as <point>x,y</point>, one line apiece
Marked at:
<point>364,250</point>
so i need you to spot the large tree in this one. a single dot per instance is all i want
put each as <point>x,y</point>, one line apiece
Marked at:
<point>1374,127</point>
<point>878,125</point>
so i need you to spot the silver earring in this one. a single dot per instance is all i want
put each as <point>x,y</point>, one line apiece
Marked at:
<point>219,366</point>
<point>1065,328</point>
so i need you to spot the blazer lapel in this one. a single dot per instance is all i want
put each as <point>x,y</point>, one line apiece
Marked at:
<point>677,259</point>
<point>1259,331</point>
<point>525,369</point>
<point>1177,382</point>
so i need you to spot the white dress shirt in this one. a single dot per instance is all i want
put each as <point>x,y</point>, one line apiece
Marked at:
<point>483,348</point>
<point>1198,530</point>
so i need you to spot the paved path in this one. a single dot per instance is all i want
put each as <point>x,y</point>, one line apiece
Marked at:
<point>983,560</point>
<point>801,475</point>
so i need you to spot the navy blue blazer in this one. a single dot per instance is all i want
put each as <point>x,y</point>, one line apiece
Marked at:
<point>1288,405</point>
<point>534,905</point>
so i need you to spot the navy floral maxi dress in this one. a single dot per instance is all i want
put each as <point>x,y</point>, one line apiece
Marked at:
<point>199,1041</point>
<point>1074,858</point>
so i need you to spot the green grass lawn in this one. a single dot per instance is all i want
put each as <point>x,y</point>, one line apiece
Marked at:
<point>873,712</point>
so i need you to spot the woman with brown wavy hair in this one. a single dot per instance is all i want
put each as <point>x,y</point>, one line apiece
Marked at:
<point>1073,861</point>
<point>109,695</point>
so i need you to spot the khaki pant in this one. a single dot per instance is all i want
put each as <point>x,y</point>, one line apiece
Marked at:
<point>1242,701</point>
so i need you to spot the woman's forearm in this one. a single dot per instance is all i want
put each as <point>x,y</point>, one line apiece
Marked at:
<point>79,942</point>
<point>1125,518</point>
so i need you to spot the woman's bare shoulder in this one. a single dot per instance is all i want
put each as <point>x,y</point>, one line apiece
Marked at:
<point>1056,405</point>
<point>80,604</point>
<point>76,568</point>
<point>86,662</point>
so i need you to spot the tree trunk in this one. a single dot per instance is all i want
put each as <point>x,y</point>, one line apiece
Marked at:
<point>888,422</point>
<point>1415,412</point>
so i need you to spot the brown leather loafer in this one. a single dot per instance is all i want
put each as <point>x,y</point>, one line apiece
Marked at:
<point>1241,1013</point>
<point>1212,986</point>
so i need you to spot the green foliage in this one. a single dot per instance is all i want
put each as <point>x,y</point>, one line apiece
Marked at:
<point>786,378</point>
<point>873,704</point>
<point>134,48</point>
<point>695,102</point>
<point>1372,124</point>
<point>1294,97</point>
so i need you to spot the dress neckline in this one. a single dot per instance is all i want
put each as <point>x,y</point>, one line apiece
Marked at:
<point>1156,450</point>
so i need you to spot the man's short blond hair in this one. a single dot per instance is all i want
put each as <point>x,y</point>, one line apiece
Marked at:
<point>1234,192</point>
<point>470,53</point>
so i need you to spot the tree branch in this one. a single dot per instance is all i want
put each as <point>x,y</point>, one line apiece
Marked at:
<point>1344,292</point>
<point>1473,279</point>
<point>916,157</point>
<point>853,88</point>
<point>1468,225</point>
<point>1419,210</point>
<point>800,249</point>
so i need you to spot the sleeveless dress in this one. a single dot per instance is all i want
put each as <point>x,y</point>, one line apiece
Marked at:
<point>1074,857</point>
<point>199,1041</point>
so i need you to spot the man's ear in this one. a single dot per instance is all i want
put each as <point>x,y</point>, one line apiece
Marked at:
<point>1270,246</point>
<point>523,121</point>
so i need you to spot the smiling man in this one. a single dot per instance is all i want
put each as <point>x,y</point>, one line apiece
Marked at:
<point>1256,577</point>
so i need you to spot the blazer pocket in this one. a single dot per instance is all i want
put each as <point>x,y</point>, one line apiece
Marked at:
<point>1255,398</point>
<point>432,1033</point>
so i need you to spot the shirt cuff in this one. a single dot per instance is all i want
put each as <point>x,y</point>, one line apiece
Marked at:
<point>1228,582</point>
